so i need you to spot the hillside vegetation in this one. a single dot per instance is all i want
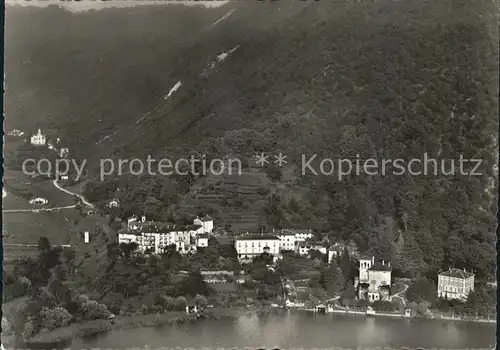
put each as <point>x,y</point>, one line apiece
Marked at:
<point>384,79</point>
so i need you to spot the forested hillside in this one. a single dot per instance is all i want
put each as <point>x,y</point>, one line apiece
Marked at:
<point>384,79</point>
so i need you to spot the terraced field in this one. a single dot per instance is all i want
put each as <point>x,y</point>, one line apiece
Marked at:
<point>236,200</point>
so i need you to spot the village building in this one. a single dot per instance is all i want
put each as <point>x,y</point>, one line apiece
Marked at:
<point>304,248</point>
<point>287,241</point>
<point>63,152</point>
<point>38,139</point>
<point>113,203</point>
<point>335,250</point>
<point>154,237</point>
<point>206,222</point>
<point>455,284</point>
<point>249,246</point>
<point>202,240</point>
<point>374,279</point>
<point>38,201</point>
<point>217,276</point>
<point>300,234</point>
<point>15,132</point>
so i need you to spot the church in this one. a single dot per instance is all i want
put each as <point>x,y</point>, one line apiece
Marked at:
<point>38,139</point>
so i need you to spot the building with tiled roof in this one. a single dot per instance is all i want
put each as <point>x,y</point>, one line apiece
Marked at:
<point>206,222</point>
<point>455,284</point>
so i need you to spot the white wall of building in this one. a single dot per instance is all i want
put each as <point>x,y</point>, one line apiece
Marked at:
<point>249,248</point>
<point>287,242</point>
<point>378,278</point>
<point>202,242</point>
<point>38,139</point>
<point>207,226</point>
<point>364,265</point>
<point>454,288</point>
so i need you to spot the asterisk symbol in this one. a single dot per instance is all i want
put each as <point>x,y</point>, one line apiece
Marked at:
<point>280,159</point>
<point>262,159</point>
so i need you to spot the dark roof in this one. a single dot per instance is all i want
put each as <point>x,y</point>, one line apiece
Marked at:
<point>457,273</point>
<point>337,247</point>
<point>365,257</point>
<point>310,245</point>
<point>257,236</point>
<point>296,230</point>
<point>380,267</point>
<point>207,218</point>
<point>162,227</point>
<point>224,287</point>
<point>285,233</point>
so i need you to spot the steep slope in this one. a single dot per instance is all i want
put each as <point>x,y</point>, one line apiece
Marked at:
<point>385,79</point>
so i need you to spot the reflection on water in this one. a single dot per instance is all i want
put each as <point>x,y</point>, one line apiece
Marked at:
<point>304,330</point>
<point>368,332</point>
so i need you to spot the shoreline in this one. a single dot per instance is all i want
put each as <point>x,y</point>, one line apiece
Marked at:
<point>64,335</point>
<point>397,315</point>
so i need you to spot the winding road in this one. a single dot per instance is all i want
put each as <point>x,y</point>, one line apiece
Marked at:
<point>398,295</point>
<point>38,210</point>
<point>84,201</point>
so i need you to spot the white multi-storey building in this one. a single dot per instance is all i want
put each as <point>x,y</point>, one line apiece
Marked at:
<point>287,241</point>
<point>38,139</point>
<point>251,245</point>
<point>154,236</point>
<point>206,222</point>
<point>455,284</point>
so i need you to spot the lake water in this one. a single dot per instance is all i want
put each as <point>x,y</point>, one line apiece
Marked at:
<point>296,330</point>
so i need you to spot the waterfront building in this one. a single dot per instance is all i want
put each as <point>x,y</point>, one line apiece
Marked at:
<point>249,246</point>
<point>374,279</point>
<point>38,139</point>
<point>455,284</point>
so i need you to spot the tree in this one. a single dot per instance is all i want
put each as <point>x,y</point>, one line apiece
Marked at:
<point>349,294</point>
<point>333,280</point>
<point>128,248</point>
<point>169,303</point>
<point>421,290</point>
<point>411,259</point>
<point>68,254</point>
<point>54,318</point>
<point>180,303</point>
<point>194,284</point>
<point>44,244</point>
<point>60,291</point>
<point>200,300</point>
<point>93,310</point>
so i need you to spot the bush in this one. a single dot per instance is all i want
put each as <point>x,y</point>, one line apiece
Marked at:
<point>93,310</point>
<point>180,303</point>
<point>200,300</point>
<point>54,318</point>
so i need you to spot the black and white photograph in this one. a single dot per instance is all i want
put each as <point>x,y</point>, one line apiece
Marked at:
<point>250,174</point>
